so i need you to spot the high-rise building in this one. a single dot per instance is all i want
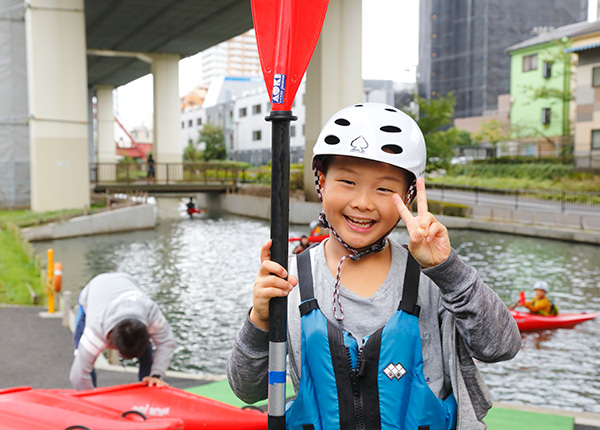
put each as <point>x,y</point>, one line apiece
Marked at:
<point>235,57</point>
<point>462,45</point>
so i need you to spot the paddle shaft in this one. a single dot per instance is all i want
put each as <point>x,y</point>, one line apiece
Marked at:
<point>280,208</point>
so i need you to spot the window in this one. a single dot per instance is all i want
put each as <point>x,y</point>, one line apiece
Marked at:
<point>256,135</point>
<point>546,116</point>
<point>243,112</point>
<point>190,123</point>
<point>595,139</point>
<point>547,70</point>
<point>293,131</point>
<point>530,62</point>
<point>256,109</point>
<point>596,77</point>
<point>198,121</point>
<point>182,124</point>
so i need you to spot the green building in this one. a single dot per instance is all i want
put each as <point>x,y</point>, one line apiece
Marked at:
<point>542,90</point>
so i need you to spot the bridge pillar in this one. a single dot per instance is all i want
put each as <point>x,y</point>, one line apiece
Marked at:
<point>57,97</point>
<point>106,133</point>
<point>167,117</point>
<point>334,76</point>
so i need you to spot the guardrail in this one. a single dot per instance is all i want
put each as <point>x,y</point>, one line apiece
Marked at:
<point>165,173</point>
<point>556,200</point>
<point>181,173</point>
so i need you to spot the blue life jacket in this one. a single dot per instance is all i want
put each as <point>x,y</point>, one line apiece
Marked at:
<point>377,386</point>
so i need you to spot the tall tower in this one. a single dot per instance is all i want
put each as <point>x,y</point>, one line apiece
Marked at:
<point>463,42</point>
<point>235,57</point>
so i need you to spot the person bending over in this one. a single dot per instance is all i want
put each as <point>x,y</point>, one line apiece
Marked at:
<point>114,313</point>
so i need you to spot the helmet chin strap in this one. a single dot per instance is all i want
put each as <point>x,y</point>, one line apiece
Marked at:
<point>354,254</point>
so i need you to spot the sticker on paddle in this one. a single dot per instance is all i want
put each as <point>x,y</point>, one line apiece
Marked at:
<point>287,32</point>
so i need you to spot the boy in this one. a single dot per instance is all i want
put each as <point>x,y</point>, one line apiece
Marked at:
<point>114,313</point>
<point>396,347</point>
<point>540,304</point>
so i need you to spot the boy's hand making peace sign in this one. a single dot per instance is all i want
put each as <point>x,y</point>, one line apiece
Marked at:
<point>429,242</point>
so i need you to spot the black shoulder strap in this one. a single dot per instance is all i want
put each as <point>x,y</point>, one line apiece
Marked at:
<point>410,290</point>
<point>305,281</point>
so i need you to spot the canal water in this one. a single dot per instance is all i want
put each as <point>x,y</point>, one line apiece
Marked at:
<point>201,273</point>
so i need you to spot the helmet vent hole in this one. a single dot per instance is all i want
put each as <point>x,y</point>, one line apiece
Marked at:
<point>392,149</point>
<point>358,105</point>
<point>342,121</point>
<point>390,129</point>
<point>332,140</point>
<point>391,110</point>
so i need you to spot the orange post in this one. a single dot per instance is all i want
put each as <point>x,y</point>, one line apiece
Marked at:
<point>50,282</point>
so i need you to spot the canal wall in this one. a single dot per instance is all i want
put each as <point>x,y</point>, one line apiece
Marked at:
<point>136,217</point>
<point>302,212</point>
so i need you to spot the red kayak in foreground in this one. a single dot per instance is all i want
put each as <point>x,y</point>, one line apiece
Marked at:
<point>527,322</point>
<point>121,407</point>
<point>197,412</point>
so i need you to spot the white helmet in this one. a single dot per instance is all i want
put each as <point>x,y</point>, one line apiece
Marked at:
<point>374,131</point>
<point>541,285</point>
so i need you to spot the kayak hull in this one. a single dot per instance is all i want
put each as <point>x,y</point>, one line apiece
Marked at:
<point>26,408</point>
<point>197,412</point>
<point>530,322</point>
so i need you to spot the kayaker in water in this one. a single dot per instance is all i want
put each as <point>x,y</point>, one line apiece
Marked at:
<point>540,304</point>
<point>114,313</point>
<point>191,208</point>
<point>396,347</point>
<point>317,229</point>
<point>303,245</point>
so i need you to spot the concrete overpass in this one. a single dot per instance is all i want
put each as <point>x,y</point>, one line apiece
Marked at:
<point>75,49</point>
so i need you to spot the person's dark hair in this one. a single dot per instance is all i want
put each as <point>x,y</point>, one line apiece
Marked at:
<point>130,337</point>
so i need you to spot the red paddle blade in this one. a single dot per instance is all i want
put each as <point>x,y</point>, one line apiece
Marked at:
<point>287,32</point>
<point>522,297</point>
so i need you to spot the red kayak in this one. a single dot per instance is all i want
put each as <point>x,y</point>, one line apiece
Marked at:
<point>527,321</point>
<point>311,239</point>
<point>26,408</point>
<point>197,412</point>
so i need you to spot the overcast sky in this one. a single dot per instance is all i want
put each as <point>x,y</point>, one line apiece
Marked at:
<point>390,51</point>
<point>383,21</point>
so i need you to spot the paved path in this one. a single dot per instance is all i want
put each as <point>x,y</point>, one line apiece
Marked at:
<point>38,352</point>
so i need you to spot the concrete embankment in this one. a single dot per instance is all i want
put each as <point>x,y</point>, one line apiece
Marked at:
<point>304,212</point>
<point>136,217</point>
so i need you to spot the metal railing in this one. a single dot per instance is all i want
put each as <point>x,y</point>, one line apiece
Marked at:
<point>165,173</point>
<point>560,201</point>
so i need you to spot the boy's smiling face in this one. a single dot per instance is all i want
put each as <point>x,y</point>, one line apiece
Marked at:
<point>357,198</point>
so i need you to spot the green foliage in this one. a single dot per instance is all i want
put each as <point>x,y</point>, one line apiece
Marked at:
<point>127,159</point>
<point>450,209</point>
<point>435,118</point>
<point>540,171</point>
<point>18,270</point>
<point>212,135</point>
<point>190,153</point>
<point>522,159</point>
<point>492,131</point>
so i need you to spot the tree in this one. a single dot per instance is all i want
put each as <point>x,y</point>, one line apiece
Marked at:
<point>214,139</point>
<point>191,153</point>
<point>492,131</point>
<point>435,118</point>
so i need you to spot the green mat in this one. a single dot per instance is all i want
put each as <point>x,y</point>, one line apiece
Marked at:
<point>496,419</point>
<point>222,392</point>
<point>511,419</point>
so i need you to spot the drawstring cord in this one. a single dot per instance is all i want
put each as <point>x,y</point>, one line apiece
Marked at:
<point>354,255</point>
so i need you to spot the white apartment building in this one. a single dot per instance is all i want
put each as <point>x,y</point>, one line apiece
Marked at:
<point>240,106</point>
<point>235,57</point>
